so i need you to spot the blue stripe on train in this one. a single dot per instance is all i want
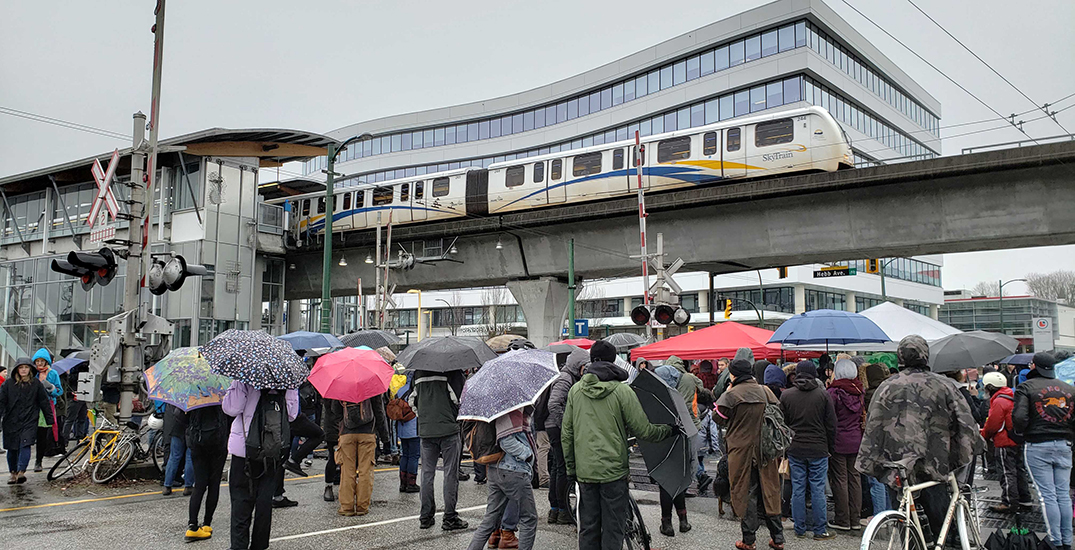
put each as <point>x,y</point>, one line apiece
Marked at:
<point>683,173</point>
<point>337,216</point>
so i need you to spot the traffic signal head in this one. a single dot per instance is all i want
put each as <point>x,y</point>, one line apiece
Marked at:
<point>640,315</point>
<point>90,267</point>
<point>782,272</point>
<point>873,266</point>
<point>85,276</point>
<point>728,309</point>
<point>664,314</point>
<point>681,317</point>
<point>163,277</point>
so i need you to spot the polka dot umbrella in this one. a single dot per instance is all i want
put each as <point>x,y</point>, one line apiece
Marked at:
<point>511,381</point>
<point>256,358</point>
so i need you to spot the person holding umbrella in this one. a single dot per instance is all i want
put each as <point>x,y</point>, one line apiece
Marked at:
<point>600,410</point>
<point>559,504</point>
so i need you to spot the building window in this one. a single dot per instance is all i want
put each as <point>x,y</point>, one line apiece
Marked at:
<point>669,150</point>
<point>820,299</point>
<point>514,176</point>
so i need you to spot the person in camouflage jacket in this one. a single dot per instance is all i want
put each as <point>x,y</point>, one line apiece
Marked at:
<point>918,419</point>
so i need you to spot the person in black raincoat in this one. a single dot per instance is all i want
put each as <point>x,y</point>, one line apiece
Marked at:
<point>21,397</point>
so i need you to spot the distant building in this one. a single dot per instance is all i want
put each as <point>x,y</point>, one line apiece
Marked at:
<point>966,312</point>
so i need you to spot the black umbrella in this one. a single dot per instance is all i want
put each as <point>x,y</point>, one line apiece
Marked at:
<point>445,354</point>
<point>372,339</point>
<point>670,461</point>
<point>969,349</point>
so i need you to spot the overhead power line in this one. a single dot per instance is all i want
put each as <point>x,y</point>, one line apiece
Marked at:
<point>63,123</point>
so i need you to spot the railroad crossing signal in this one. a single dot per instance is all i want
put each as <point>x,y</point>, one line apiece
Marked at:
<point>163,277</point>
<point>104,197</point>
<point>90,267</point>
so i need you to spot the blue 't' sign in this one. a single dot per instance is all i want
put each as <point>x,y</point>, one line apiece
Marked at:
<point>582,327</point>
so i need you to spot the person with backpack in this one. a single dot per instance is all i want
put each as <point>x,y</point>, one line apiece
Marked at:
<point>1000,431</point>
<point>358,424</point>
<point>753,478</point>
<point>507,448</point>
<point>436,402</point>
<point>207,444</point>
<point>175,428</point>
<point>809,412</point>
<point>600,410</point>
<point>312,435</point>
<point>259,440</point>
<point>559,504</point>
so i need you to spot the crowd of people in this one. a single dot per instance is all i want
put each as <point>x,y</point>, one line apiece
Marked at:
<point>848,420</point>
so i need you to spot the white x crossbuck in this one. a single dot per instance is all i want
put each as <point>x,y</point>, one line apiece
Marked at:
<point>104,188</point>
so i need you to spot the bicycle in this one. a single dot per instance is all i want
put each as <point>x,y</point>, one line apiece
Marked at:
<point>902,530</point>
<point>109,450</point>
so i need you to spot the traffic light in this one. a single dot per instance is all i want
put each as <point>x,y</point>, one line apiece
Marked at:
<point>90,267</point>
<point>163,277</point>
<point>782,272</point>
<point>728,309</point>
<point>873,266</point>
<point>640,315</point>
<point>664,314</point>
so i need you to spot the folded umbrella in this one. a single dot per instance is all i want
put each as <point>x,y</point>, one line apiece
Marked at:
<point>969,349</point>
<point>500,343</point>
<point>371,338</point>
<point>304,340</point>
<point>185,379</point>
<point>351,375</point>
<point>255,358</point>
<point>670,461</point>
<point>445,354</point>
<point>509,382</point>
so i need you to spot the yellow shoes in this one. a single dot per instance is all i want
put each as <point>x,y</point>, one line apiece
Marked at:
<point>202,533</point>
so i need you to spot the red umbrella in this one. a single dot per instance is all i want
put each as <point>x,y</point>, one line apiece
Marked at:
<point>351,374</point>
<point>583,343</point>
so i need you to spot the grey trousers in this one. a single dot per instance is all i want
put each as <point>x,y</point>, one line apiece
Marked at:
<point>447,448</point>
<point>505,486</point>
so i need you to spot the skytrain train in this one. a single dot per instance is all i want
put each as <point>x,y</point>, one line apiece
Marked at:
<point>798,140</point>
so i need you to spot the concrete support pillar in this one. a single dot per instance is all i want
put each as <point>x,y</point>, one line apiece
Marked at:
<point>934,311</point>
<point>800,299</point>
<point>294,316</point>
<point>849,300</point>
<point>544,303</point>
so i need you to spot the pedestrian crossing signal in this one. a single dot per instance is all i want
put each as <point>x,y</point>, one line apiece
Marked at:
<point>727,309</point>
<point>873,266</point>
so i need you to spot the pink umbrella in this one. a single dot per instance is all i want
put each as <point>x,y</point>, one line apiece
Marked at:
<point>351,374</point>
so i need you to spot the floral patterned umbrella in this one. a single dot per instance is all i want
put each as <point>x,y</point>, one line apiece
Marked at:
<point>256,358</point>
<point>184,379</point>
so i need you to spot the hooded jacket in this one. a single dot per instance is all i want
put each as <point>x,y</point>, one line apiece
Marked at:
<point>759,370</point>
<point>569,375</point>
<point>600,411</point>
<point>688,386</point>
<point>1043,409</point>
<point>876,374</point>
<point>725,377</point>
<point>20,405</point>
<point>775,379</point>
<point>999,420</point>
<point>850,405</point>
<point>52,383</point>
<point>436,402</point>
<point>809,412</point>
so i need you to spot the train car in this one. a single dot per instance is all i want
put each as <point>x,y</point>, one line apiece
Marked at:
<point>796,140</point>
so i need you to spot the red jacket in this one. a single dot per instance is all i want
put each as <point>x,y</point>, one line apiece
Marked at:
<point>1000,418</point>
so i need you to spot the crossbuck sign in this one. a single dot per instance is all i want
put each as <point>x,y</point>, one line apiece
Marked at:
<point>104,198</point>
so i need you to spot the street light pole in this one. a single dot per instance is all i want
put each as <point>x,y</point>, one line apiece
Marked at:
<point>884,296</point>
<point>1000,300</point>
<point>451,318</point>
<point>419,293</point>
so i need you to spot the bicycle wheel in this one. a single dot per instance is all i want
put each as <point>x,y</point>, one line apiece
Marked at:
<point>159,450</point>
<point>71,462</point>
<point>970,537</point>
<point>891,531</point>
<point>637,537</point>
<point>113,465</point>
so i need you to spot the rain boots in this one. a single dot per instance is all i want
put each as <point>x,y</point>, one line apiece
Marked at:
<point>411,484</point>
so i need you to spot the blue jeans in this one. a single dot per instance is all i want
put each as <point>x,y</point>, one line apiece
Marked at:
<point>178,449</point>
<point>879,495</point>
<point>18,459</point>
<point>412,448</point>
<point>1049,464</point>
<point>813,471</point>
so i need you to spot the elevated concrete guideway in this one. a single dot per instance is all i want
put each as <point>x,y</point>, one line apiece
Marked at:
<point>1001,199</point>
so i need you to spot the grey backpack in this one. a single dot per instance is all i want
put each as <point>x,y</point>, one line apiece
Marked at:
<point>775,434</point>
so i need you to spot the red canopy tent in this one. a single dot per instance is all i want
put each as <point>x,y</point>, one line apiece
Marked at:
<point>720,340</point>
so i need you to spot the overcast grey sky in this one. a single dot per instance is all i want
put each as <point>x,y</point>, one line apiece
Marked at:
<point>322,65</point>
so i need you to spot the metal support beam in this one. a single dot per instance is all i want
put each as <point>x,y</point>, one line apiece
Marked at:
<point>66,218</point>
<point>190,188</point>
<point>14,222</point>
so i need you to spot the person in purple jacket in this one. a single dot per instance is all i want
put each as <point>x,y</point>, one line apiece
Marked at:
<point>250,498</point>
<point>848,398</point>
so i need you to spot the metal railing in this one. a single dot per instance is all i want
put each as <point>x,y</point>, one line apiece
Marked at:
<point>1020,143</point>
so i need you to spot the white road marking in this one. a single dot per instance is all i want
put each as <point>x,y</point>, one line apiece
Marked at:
<point>365,525</point>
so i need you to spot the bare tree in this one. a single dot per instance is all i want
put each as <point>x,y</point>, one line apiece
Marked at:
<point>452,315</point>
<point>493,300</point>
<point>986,288</point>
<point>1058,285</point>
<point>592,293</point>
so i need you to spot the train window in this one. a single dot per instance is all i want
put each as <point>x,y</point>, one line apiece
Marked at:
<point>734,137</point>
<point>674,149</point>
<point>709,143</point>
<point>539,172</point>
<point>514,176</point>
<point>419,190</point>
<point>360,199</point>
<point>306,207</point>
<point>617,159</point>
<point>321,205</point>
<point>346,201</point>
<point>405,193</point>
<point>440,187</point>
<point>382,195</point>
<point>557,169</point>
<point>774,132</point>
<point>584,165</point>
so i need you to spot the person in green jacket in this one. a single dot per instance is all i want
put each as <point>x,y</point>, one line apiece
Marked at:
<point>600,410</point>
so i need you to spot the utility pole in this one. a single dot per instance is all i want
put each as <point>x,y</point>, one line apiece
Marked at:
<point>377,283</point>
<point>571,286</point>
<point>154,128</point>
<point>761,291</point>
<point>129,369</point>
<point>326,267</point>
<point>642,229</point>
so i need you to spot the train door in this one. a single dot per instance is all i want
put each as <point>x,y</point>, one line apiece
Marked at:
<point>418,201</point>
<point>341,206</point>
<point>478,192</point>
<point>302,217</point>
<point>403,194</point>
<point>556,188</point>
<point>359,209</point>
<point>711,154</point>
<point>734,153</point>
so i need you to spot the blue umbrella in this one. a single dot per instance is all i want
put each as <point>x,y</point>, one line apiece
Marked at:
<point>256,358</point>
<point>68,363</point>
<point>1065,370</point>
<point>828,326</point>
<point>509,382</point>
<point>305,340</point>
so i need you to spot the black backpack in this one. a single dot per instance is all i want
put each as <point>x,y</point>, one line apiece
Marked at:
<point>207,428</point>
<point>269,437</point>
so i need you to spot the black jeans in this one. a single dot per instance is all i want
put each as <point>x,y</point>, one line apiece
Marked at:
<point>558,489</point>
<point>251,502</point>
<point>208,469</point>
<point>667,502</point>
<point>755,515</point>
<point>603,509</point>
<point>332,470</point>
<point>302,426</point>
<point>1015,487</point>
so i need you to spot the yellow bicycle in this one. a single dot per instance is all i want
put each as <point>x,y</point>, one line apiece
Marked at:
<point>108,450</point>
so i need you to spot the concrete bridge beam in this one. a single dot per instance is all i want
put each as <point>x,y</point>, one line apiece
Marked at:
<point>544,303</point>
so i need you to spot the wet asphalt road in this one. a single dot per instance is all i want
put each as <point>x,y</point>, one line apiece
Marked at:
<point>135,515</point>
